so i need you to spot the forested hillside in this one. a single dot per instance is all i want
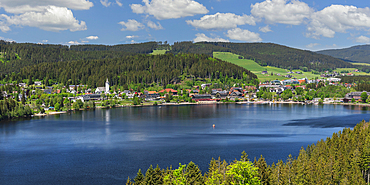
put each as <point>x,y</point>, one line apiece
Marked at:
<point>342,159</point>
<point>134,69</point>
<point>20,55</point>
<point>266,54</point>
<point>355,53</point>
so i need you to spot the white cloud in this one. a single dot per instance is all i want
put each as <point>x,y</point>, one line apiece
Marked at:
<point>45,41</point>
<point>222,21</point>
<point>51,19</point>
<point>152,25</point>
<point>291,12</point>
<point>312,45</point>
<point>73,42</point>
<point>338,18</point>
<point>243,35</point>
<point>131,36</point>
<point>363,39</point>
<point>92,37</point>
<point>22,6</point>
<point>265,29</point>
<point>201,37</point>
<point>119,3</point>
<point>50,15</point>
<point>131,25</point>
<point>105,3</point>
<point>169,9</point>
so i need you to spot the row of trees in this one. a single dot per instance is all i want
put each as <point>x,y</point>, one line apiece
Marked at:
<point>342,159</point>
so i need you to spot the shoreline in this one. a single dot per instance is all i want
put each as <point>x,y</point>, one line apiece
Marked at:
<point>204,103</point>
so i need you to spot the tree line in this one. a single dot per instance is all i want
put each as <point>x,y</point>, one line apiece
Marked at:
<point>342,159</point>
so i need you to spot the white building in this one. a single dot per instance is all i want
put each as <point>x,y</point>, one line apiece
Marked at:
<point>105,89</point>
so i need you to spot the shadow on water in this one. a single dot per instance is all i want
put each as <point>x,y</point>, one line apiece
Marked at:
<point>330,121</point>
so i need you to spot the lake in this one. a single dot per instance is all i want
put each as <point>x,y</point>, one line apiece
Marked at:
<point>105,146</point>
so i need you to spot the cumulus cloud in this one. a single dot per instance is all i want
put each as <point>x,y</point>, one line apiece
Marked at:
<point>119,3</point>
<point>243,35</point>
<point>45,41</point>
<point>50,15</point>
<point>338,18</point>
<point>92,37</point>
<point>201,37</point>
<point>22,6</point>
<point>51,19</point>
<point>105,3</point>
<point>291,12</point>
<point>363,39</point>
<point>131,36</point>
<point>265,29</point>
<point>73,42</point>
<point>312,45</point>
<point>169,9</point>
<point>155,26</point>
<point>220,21</point>
<point>131,25</point>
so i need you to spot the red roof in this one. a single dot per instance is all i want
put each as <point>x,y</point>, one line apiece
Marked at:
<point>168,90</point>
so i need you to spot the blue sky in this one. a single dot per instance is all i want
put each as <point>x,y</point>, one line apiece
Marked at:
<point>303,24</point>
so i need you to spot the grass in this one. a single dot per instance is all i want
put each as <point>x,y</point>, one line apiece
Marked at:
<point>360,64</point>
<point>159,52</point>
<point>257,69</point>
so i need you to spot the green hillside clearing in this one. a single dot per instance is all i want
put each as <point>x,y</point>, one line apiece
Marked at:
<point>159,52</point>
<point>257,69</point>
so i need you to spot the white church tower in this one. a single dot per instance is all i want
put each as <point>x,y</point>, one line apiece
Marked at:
<point>107,86</point>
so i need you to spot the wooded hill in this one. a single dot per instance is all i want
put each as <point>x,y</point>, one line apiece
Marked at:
<point>353,54</point>
<point>139,68</point>
<point>266,54</point>
<point>31,54</point>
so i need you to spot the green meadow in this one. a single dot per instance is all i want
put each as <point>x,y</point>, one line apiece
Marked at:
<point>159,52</point>
<point>257,69</point>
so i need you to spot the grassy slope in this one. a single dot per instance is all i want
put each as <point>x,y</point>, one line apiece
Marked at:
<point>159,52</point>
<point>257,69</point>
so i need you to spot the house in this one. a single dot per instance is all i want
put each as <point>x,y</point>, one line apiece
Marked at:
<point>201,97</point>
<point>219,94</point>
<point>174,92</point>
<point>354,95</point>
<point>38,83</point>
<point>99,90</point>
<point>48,91</point>
<point>22,84</point>
<point>205,85</point>
<point>151,95</point>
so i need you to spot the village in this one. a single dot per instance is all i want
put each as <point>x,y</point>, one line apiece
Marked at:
<point>59,98</point>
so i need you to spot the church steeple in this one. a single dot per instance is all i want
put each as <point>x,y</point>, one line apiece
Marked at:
<point>107,86</point>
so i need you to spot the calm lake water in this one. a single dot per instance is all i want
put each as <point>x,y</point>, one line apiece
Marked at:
<point>105,146</point>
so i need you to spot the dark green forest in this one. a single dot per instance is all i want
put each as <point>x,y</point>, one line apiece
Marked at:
<point>355,54</point>
<point>342,159</point>
<point>134,69</point>
<point>31,54</point>
<point>266,54</point>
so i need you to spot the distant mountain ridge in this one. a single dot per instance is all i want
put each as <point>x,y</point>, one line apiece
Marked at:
<point>360,53</point>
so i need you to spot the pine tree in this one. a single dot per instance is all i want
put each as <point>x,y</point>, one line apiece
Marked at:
<point>193,174</point>
<point>139,178</point>
<point>149,176</point>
